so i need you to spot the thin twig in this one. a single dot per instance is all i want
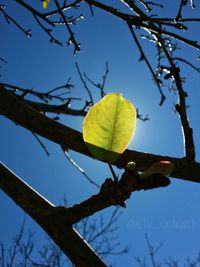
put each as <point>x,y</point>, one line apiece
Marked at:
<point>84,83</point>
<point>65,86</point>
<point>141,117</point>
<point>152,251</point>
<point>9,18</point>
<point>48,32</point>
<point>42,96</point>
<point>41,144</point>
<point>152,27</point>
<point>79,168</point>
<point>113,172</point>
<point>99,85</point>
<point>77,47</point>
<point>143,57</point>
<point>187,63</point>
<point>3,60</point>
<point>114,217</point>
<point>179,14</point>
<point>34,11</point>
<point>63,8</point>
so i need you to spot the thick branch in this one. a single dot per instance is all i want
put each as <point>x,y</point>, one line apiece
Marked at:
<point>112,193</point>
<point>69,241</point>
<point>22,114</point>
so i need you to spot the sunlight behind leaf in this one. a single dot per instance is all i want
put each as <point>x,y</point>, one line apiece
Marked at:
<point>109,126</point>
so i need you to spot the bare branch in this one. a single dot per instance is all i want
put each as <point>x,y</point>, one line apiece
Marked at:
<point>181,107</point>
<point>34,11</point>
<point>9,18</point>
<point>79,168</point>
<point>143,57</point>
<point>141,117</point>
<point>58,109</point>
<point>42,96</point>
<point>14,109</point>
<point>153,28</point>
<point>48,32</point>
<point>3,60</point>
<point>152,251</point>
<point>99,85</point>
<point>187,63</point>
<point>46,215</point>
<point>77,47</point>
<point>65,7</point>
<point>100,234</point>
<point>179,15</point>
<point>112,193</point>
<point>85,84</point>
<point>41,144</point>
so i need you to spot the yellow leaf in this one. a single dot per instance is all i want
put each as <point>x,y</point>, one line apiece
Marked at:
<point>45,3</point>
<point>109,126</point>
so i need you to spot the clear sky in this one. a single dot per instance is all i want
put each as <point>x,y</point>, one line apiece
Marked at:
<point>169,215</point>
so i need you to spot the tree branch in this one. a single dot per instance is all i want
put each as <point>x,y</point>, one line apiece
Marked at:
<point>181,106</point>
<point>14,109</point>
<point>34,11</point>
<point>143,57</point>
<point>77,47</point>
<point>58,109</point>
<point>67,238</point>
<point>9,18</point>
<point>138,21</point>
<point>112,193</point>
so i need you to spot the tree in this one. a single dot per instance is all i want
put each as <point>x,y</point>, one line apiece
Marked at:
<point>29,107</point>
<point>20,253</point>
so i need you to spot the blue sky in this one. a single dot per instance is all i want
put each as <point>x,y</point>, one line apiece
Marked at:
<point>169,215</point>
